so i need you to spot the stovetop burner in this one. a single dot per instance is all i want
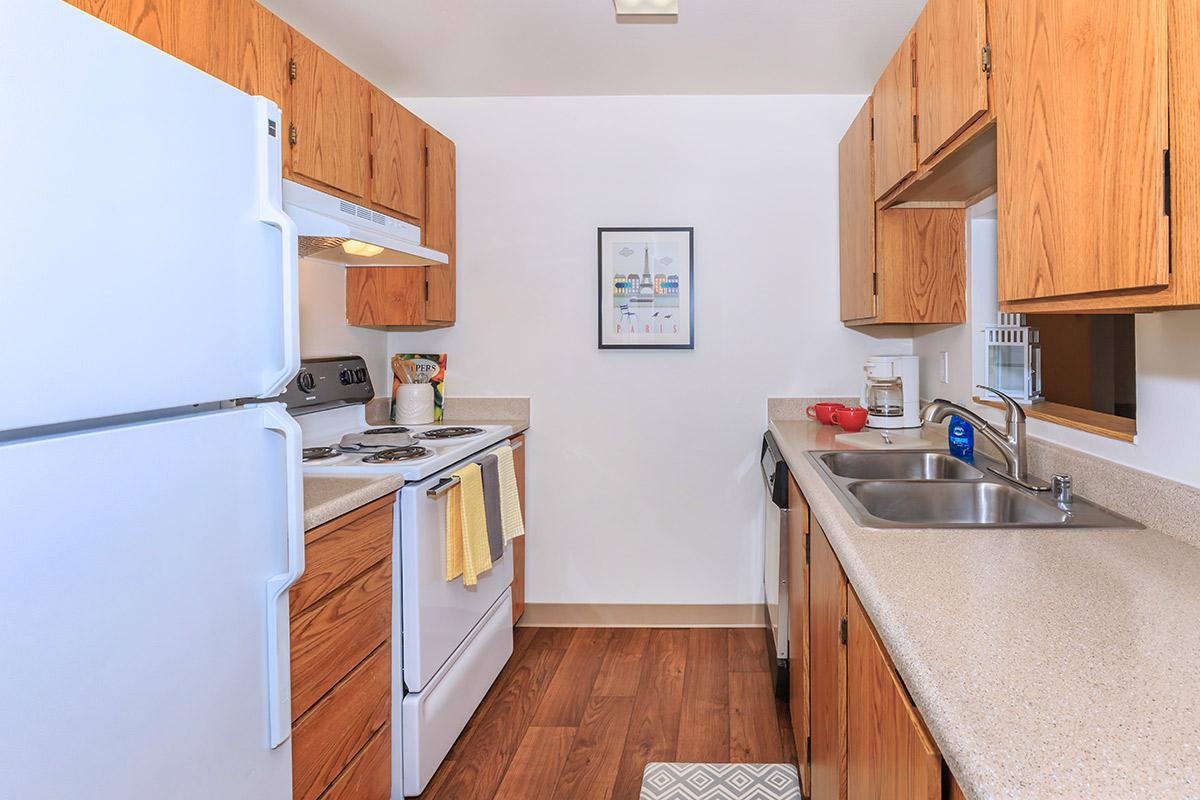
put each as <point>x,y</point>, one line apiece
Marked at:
<point>395,454</point>
<point>452,432</point>
<point>385,431</point>
<point>318,453</point>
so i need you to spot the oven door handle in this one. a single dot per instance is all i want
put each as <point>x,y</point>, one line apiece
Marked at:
<point>441,487</point>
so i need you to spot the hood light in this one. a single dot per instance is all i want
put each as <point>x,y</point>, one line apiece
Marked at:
<point>356,248</point>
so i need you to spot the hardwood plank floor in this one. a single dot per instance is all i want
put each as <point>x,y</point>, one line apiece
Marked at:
<point>577,713</point>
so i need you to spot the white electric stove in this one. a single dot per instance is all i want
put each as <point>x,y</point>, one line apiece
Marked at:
<point>450,642</point>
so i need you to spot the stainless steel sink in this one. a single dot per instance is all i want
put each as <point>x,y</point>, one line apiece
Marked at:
<point>954,503</point>
<point>932,489</point>
<point>898,464</point>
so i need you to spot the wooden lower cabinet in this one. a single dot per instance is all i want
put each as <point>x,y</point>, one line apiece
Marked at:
<point>827,611</point>
<point>518,544</point>
<point>867,740</point>
<point>341,643</point>
<point>889,753</point>
<point>798,653</point>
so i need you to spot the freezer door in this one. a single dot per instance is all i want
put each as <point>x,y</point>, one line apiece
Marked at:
<point>147,262</point>
<point>141,569</point>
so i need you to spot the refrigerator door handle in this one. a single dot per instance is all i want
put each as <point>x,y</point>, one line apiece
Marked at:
<point>270,212</point>
<point>279,684</point>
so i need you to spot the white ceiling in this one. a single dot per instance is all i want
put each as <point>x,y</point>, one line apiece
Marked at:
<point>435,48</point>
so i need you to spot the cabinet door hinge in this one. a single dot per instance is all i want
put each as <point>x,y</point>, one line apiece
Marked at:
<point>914,128</point>
<point>875,284</point>
<point>1167,182</point>
<point>872,127</point>
<point>291,70</point>
<point>807,548</point>
<point>426,290</point>
<point>914,72</point>
<point>985,58</point>
<point>843,630</point>
<point>292,136</point>
<point>370,165</point>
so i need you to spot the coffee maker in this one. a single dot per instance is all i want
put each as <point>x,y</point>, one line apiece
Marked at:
<point>892,392</point>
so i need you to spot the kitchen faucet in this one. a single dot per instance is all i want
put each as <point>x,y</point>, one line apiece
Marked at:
<point>1010,442</point>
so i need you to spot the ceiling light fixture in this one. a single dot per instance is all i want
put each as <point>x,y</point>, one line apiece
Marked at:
<point>647,10</point>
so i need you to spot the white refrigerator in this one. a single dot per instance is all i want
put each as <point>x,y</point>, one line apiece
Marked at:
<point>150,526</point>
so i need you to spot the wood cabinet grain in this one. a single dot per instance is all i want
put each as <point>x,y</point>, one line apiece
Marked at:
<point>385,297</point>
<point>329,110</point>
<point>952,86</point>
<point>330,637</point>
<point>920,258</point>
<point>440,224</point>
<point>327,739</point>
<point>369,775</point>
<point>341,550</point>
<point>890,754</point>
<point>798,644</point>
<point>1082,98</point>
<point>827,601</point>
<point>518,443</point>
<point>894,115</point>
<point>397,158</point>
<point>856,217</point>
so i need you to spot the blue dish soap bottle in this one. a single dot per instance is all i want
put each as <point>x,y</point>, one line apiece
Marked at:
<point>962,439</point>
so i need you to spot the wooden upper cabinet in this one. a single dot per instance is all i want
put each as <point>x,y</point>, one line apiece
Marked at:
<point>439,224</point>
<point>890,755</point>
<point>952,85</point>
<point>921,263</point>
<point>894,114</point>
<point>1082,101</point>
<point>397,158</point>
<point>856,217</point>
<point>798,652</point>
<point>329,109</point>
<point>827,604</point>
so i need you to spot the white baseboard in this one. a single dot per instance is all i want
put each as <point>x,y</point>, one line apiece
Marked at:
<point>622,615</point>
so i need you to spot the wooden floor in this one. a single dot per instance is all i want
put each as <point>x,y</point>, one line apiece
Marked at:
<point>577,713</point>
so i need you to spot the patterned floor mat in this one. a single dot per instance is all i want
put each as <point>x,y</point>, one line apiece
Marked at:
<point>663,781</point>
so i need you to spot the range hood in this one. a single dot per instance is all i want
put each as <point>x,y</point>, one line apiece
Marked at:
<point>340,232</point>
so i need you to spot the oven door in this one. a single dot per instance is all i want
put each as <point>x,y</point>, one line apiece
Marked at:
<point>438,615</point>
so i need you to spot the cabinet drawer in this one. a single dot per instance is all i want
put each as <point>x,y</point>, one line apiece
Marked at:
<point>329,736</point>
<point>369,775</point>
<point>340,551</point>
<point>338,632</point>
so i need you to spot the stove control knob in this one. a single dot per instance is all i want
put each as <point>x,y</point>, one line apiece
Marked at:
<point>346,376</point>
<point>306,381</point>
<point>360,375</point>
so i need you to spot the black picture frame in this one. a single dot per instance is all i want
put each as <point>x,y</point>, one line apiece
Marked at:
<point>603,286</point>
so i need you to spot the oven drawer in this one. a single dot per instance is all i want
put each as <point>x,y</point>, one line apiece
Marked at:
<point>433,718</point>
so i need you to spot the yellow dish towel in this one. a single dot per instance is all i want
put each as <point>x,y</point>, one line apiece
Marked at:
<point>466,527</point>
<point>510,497</point>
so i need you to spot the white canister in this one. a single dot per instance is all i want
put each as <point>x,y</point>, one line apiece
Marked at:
<point>414,403</point>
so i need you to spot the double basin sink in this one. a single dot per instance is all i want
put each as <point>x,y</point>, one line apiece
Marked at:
<point>932,489</point>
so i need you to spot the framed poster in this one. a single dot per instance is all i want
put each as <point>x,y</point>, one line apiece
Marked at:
<point>646,289</point>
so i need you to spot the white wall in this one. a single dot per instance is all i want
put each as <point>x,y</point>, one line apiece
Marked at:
<point>1168,374</point>
<point>643,474</point>
<point>323,328</point>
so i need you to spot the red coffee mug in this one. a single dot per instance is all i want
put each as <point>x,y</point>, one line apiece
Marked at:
<point>821,412</point>
<point>851,420</point>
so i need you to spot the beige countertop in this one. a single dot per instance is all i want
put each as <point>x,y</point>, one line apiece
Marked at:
<point>327,498</point>
<point>1047,664</point>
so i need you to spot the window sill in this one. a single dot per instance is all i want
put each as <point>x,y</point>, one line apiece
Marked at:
<point>1082,419</point>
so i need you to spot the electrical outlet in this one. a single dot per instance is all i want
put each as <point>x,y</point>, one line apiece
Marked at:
<point>945,367</point>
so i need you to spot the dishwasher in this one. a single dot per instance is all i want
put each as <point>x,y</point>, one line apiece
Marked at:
<point>775,560</point>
